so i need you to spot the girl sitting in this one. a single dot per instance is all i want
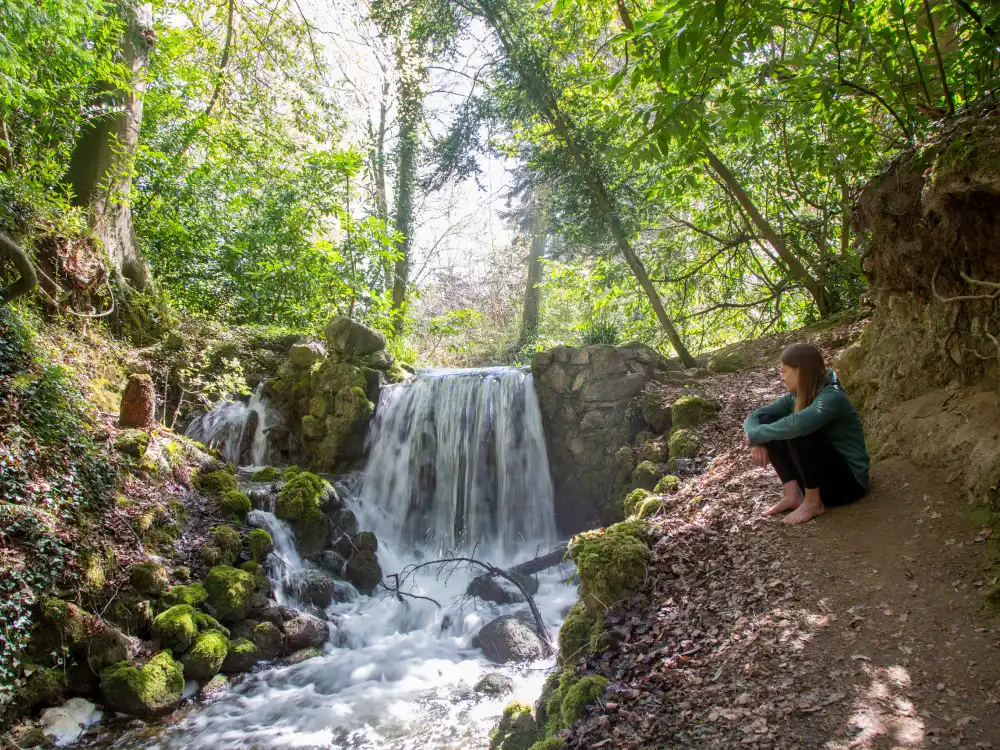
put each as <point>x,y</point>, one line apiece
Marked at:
<point>812,436</point>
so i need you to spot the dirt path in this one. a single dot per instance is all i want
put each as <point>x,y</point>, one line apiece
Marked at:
<point>862,629</point>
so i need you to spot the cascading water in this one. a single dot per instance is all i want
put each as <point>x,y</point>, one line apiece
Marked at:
<point>457,461</point>
<point>237,429</point>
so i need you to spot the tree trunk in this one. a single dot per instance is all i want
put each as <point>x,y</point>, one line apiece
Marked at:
<point>411,75</point>
<point>381,194</point>
<point>27,280</point>
<point>100,169</point>
<point>537,86</point>
<point>795,267</point>
<point>532,292</point>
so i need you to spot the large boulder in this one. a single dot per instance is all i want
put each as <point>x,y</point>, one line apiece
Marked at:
<point>509,639</point>
<point>364,571</point>
<point>177,627</point>
<point>305,631</point>
<point>204,659</point>
<point>230,593</point>
<point>151,690</point>
<point>500,591</point>
<point>242,655</point>
<point>352,339</point>
<point>305,355</point>
<point>138,403</point>
<point>315,587</point>
<point>268,639</point>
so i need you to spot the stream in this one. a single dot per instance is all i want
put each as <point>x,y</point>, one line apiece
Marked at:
<point>456,465</point>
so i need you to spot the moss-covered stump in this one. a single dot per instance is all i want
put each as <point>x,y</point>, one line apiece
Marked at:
<point>611,564</point>
<point>230,592</point>
<point>516,730</point>
<point>205,657</point>
<point>690,411</point>
<point>193,594</point>
<point>633,500</point>
<point>683,444</point>
<point>242,656</point>
<point>215,482</point>
<point>235,505</point>
<point>267,474</point>
<point>177,628</point>
<point>227,540</point>
<point>646,475</point>
<point>149,578</point>
<point>151,690</point>
<point>260,545</point>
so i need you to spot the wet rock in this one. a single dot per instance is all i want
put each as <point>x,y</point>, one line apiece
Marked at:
<point>204,659</point>
<point>300,656</point>
<point>381,360</point>
<point>287,613</point>
<point>243,654</point>
<point>152,690</point>
<point>315,587</point>
<point>64,725</point>
<point>305,355</point>
<point>509,639</point>
<point>270,613</point>
<point>305,631</point>
<point>332,563</point>
<point>350,338</point>
<point>138,403</point>
<point>500,591</point>
<point>268,639</point>
<point>244,629</point>
<point>214,687</point>
<point>494,685</point>
<point>345,521</point>
<point>364,571</point>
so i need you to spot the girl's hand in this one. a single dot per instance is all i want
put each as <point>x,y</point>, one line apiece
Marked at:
<point>758,454</point>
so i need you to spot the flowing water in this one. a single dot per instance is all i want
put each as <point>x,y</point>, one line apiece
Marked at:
<point>237,429</point>
<point>457,462</point>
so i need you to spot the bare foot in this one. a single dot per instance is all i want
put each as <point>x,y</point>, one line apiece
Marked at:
<point>807,511</point>
<point>793,499</point>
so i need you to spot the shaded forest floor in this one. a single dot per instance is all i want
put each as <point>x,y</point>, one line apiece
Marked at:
<point>865,628</point>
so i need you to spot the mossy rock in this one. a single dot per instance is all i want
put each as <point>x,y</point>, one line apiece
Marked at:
<point>210,555</point>
<point>149,578</point>
<point>242,656</point>
<point>214,687</point>
<point>303,654</point>
<point>260,545</point>
<point>633,500</point>
<point>182,574</point>
<point>669,483</point>
<point>581,633</point>
<point>653,450</point>
<point>267,474</point>
<point>683,444</point>
<point>227,539</point>
<point>727,361</point>
<point>204,659</point>
<point>551,743</point>
<point>132,442</point>
<point>215,482</point>
<point>67,624</point>
<point>646,475</point>
<point>516,730</point>
<point>611,564</point>
<point>193,595</point>
<point>299,498</point>
<point>177,628</point>
<point>43,686</point>
<point>625,459</point>
<point>130,614</point>
<point>583,692</point>
<point>235,505</point>
<point>230,592</point>
<point>291,472</point>
<point>149,691</point>
<point>650,506</point>
<point>268,639</point>
<point>690,411</point>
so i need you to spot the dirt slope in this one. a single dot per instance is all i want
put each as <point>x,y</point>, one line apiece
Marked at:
<point>862,629</point>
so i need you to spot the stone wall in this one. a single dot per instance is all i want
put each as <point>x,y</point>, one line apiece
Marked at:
<point>593,401</point>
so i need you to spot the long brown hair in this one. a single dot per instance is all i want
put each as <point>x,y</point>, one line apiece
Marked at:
<point>808,360</point>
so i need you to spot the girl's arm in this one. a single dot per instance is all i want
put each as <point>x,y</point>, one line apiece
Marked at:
<point>777,409</point>
<point>828,406</point>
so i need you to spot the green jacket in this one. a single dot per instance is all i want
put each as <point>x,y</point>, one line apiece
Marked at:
<point>831,411</point>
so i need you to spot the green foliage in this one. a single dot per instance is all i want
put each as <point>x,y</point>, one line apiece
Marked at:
<point>600,331</point>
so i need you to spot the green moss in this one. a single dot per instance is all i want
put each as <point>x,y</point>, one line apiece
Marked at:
<point>646,475</point>
<point>516,730</point>
<point>727,361</point>
<point>633,500</point>
<point>649,507</point>
<point>179,512</point>
<point>243,654</point>
<point>71,623</point>
<point>211,555</point>
<point>215,482</point>
<point>230,591</point>
<point>192,595</point>
<point>227,539</point>
<point>290,473</point>
<point>267,474</point>
<point>132,442</point>
<point>204,660</point>
<point>552,743</point>
<point>611,564</point>
<point>149,578</point>
<point>689,411</point>
<point>234,504</point>
<point>92,576</point>
<point>583,692</point>
<point>669,483</point>
<point>581,633</point>
<point>624,459</point>
<point>260,545</point>
<point>176,628</point>
<point>42,686</point>
<point>683,444</point>
<point>634,527</point>
<point>148,691</point>
<point>299,497</point>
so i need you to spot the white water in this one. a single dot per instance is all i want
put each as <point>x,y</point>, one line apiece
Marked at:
<point>398,674</point>
<point>226,426</point>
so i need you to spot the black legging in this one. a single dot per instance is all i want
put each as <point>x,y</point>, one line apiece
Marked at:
<point>812,461</point>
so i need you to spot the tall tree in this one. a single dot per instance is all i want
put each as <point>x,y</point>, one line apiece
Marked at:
<point>539,235</point>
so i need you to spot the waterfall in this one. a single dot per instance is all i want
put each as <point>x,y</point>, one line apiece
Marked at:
<point>238,430</point>
<point>457,459</point>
